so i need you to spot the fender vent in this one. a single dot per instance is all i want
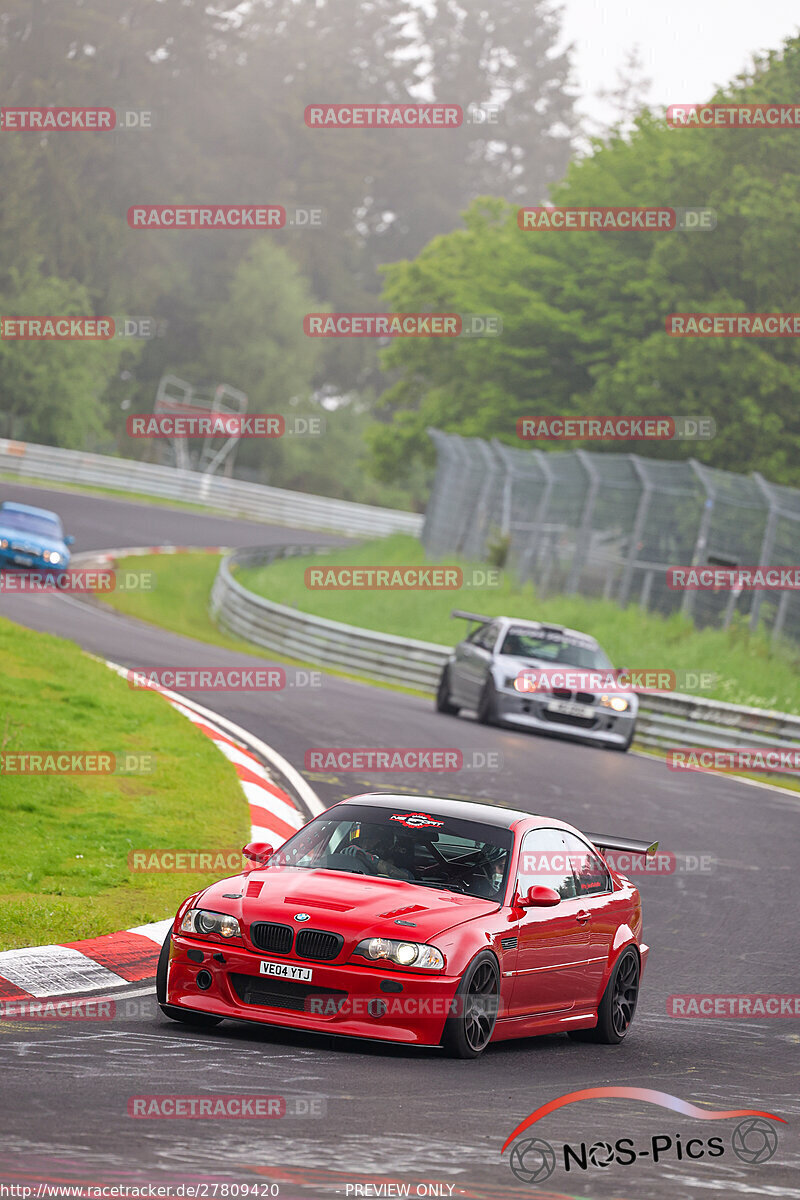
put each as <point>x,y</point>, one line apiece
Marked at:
<point>254,887</point>
<point>508,943</point>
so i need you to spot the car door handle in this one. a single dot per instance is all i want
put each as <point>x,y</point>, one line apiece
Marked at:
<point>583,917</point>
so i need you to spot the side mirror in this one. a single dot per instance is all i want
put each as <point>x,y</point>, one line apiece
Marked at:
<point>258,853</point>
<point>69,540</point>
<point>539,897</point>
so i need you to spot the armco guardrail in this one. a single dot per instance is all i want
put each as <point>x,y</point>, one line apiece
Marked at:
<point>665,719</point>
<point>299,635</point>
<point>231,496</point>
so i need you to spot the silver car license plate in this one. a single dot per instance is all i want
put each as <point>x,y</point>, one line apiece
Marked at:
<point>285,970</point>
<point>569,708</point>
<point>23,560</point>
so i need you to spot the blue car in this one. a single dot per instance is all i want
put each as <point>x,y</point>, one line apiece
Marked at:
<point>32,537</point>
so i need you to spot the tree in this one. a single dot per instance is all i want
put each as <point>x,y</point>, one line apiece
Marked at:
<point>584,312</point>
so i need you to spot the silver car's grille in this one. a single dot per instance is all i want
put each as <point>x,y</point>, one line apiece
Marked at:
<point>24,548</point>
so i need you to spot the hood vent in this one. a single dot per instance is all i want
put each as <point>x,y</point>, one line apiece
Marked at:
<point>403,912</point>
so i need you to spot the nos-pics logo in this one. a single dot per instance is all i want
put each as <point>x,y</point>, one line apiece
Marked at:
<point>752,1140</point>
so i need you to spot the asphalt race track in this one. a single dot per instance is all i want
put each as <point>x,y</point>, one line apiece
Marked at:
<point>366,1114</point>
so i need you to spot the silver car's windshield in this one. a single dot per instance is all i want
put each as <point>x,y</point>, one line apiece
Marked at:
<point>523,644</point>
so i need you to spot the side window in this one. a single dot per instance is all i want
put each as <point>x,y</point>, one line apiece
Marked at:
<point>591,874</point>
<point>544,862</point>
<point>488,637</point>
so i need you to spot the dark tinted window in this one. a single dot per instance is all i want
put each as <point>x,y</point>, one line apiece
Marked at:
<point>590,871</point>
<point>525,644</point>
<point>544,862</point>
<point>486,637</point>
<point>396,843</point>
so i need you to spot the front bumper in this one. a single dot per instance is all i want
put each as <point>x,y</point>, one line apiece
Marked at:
<point>530,712</point>
<point>18,561</point>
<point>342,998</point>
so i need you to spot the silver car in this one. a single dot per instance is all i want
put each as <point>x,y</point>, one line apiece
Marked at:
<point>495,671</point>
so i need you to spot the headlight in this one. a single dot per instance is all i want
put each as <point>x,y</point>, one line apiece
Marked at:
<point>524,682</point>
<point>52,556</point>
<point>3,543</point>
<point>200,920</point>
<point>405,954</point>
<point>616,702</point>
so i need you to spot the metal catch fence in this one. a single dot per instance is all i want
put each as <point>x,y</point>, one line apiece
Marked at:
<point>611,525</point>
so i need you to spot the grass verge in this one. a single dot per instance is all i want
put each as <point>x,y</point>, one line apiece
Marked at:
<point>64,855</point>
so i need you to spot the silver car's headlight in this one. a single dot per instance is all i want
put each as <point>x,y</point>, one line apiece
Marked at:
<point>618,703</point>
<point>200,920</point>
<point>52,556</point>
<point>405,954</point>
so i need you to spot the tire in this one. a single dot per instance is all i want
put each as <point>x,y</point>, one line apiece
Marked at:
<point>443,702</point>
<point>169,1010</point>
<point>469,1030</point>
<point>487,704</point>
<point>617,1008</point>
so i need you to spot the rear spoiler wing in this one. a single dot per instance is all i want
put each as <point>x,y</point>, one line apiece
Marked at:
<point>629,845</point>
<point>468,616</point>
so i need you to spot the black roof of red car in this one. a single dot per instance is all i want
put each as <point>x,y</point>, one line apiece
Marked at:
<point>460,810</point>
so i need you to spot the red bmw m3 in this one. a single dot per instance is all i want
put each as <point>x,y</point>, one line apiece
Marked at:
<point>430,923</point>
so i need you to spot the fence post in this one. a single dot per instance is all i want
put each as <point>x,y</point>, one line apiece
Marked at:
<point>780,617</point>
<point>532,550</point>
<point>636,533</point>
<point>583,537</point>
<point>687,604</point>
<point>767,545</point>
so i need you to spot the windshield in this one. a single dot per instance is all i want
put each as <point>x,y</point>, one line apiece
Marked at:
<point>433,851</point>
<point>28,523</point>
<point>520,643</point>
